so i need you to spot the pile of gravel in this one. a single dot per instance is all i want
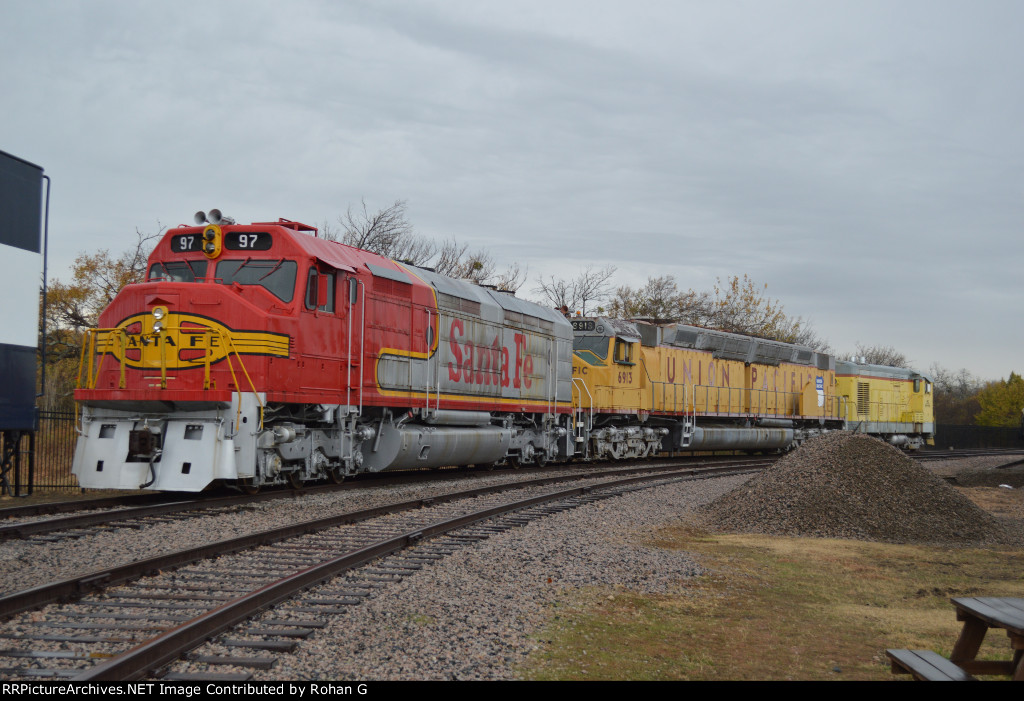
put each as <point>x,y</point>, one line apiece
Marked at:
<point>845,485</point>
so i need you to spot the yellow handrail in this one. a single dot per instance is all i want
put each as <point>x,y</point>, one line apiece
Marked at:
<point>98,341</point>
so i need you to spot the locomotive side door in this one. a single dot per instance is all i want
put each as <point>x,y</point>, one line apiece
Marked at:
<point>350,301</point>
<point>320,326</point>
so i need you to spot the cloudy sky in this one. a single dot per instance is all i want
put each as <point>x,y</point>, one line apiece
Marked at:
<point>863,159</point>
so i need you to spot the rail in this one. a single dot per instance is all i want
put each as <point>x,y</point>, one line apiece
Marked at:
<point>149,655</point>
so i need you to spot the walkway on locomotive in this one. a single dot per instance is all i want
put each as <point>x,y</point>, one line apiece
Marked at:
<point>640,368</point>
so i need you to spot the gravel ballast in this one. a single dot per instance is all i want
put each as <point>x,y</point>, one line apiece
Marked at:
<point>845,485</point>
<point>473,614</point>
<point>476,613</point>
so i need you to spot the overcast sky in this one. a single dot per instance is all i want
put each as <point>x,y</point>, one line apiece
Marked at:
<point>865,160</point>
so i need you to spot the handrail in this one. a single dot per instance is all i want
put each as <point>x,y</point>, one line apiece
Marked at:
<point>362,345</point>
<point>576,381</point>
<point>99,342</point>
<point>710,398</point>
<point>426,361</point>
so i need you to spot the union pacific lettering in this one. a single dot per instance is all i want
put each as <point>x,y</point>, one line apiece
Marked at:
<point>797,379</point>
<point>484,365</point>
<point>685,366</point>
<point>683,371</point>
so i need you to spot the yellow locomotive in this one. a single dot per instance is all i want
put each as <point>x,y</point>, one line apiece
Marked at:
<point>640,388</point>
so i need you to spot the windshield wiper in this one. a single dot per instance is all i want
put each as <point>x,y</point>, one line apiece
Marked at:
<point>272,271</point>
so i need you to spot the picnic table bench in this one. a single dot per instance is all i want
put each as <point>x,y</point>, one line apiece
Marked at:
<point>978,614</point>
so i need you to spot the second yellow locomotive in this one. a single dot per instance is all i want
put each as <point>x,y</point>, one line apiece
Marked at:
<point>640,388</point>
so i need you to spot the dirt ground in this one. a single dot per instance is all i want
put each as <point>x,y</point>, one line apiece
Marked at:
<point>995,488</point>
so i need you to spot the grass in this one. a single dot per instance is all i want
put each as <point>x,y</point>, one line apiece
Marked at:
<point>777,609</point>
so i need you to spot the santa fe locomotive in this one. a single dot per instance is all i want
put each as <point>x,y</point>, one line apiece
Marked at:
<point>261,354</point>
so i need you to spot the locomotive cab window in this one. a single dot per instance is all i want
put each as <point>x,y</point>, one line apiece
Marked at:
<point>181,271</point>
<point>320,291</point>
<point>276,276</point>
<point>597,345</point>
<point>623,352</point>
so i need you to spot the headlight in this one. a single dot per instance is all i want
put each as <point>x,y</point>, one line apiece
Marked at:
<point>211,241</point>
<point>158,327</point>
<point>159,313</point>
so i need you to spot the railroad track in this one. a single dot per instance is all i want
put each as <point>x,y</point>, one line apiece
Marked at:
<point>140,627</point>
<point>140,511</point>
<point>1014,457</point>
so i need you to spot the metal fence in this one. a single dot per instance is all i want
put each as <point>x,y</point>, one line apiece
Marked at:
<point>54,447</point>
<point>950,436</point>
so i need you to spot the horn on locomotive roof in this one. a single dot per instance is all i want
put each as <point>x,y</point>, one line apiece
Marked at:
<point>200,217</point>
<point>217,218</point>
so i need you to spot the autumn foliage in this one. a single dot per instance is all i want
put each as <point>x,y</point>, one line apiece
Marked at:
<point>73,307</point>
<point>1001,402</point>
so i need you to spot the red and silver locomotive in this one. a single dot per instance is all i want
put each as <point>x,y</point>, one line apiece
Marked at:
<point>261,354</point>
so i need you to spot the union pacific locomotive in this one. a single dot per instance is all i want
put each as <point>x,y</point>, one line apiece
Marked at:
<point>261,354</point>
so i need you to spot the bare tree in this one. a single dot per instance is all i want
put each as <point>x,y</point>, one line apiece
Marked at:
<point>957,393</point>
<point>801,332</point>
<point>660,298</point>
<point>881,355</point>
<point>959,384</point>
<point>454,259</point>
<point>387,232</point>
<point>556,291</point>
<point>593,285</point>
<point>737,305</point>
<point>511,278</point>
<point>586,288</point>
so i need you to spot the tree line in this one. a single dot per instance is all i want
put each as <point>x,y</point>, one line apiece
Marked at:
<point>737,305</point>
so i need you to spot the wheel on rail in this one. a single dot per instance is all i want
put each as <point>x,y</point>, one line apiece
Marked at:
<point>526,457</point>
<point>248,486</point>
<point>294,479</point>
<point>336,476</point>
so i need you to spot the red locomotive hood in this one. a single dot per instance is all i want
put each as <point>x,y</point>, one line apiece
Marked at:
<point>236,306</point>
<point>185,326</point>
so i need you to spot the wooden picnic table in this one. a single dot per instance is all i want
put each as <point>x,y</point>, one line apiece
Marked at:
<point>979,614</point>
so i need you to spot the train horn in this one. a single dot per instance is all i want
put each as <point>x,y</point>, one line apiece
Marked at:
<point>200,217</point>
<point>217,218</point>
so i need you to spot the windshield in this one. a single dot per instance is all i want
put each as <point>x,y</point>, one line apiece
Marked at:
<point>598,345</point>
<point>184,271</point>
<point>276,276</point>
